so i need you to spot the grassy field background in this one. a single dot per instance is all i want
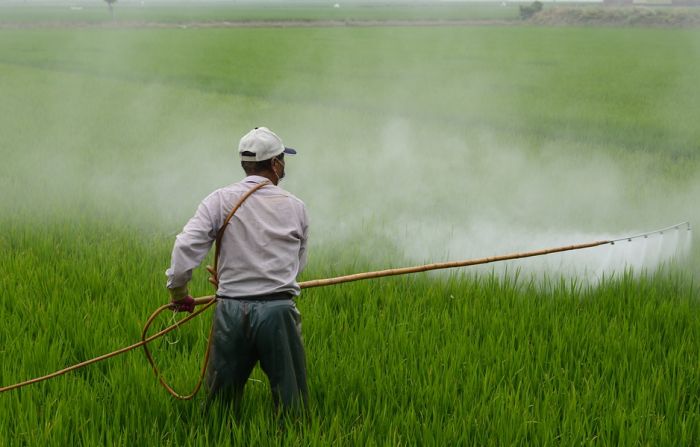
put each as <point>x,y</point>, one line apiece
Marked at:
<point>183,12</point>
<point>416,144</point>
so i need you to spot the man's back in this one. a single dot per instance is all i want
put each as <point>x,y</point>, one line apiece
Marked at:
<point>263,247</point>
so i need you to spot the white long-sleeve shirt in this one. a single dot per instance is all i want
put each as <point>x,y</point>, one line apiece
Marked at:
<point>263,247</point>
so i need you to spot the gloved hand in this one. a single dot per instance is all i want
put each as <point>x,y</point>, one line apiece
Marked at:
<point>185,304</point>
<point>181,300</point>
<point>214,279</point>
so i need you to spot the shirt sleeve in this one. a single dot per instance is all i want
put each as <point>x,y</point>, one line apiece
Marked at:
<point>191,246</point>
<point>304,240</point>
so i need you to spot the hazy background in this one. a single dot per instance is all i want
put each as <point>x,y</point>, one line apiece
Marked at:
<point>412,148</point>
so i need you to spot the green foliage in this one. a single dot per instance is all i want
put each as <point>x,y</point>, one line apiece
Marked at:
<point>457,359</point>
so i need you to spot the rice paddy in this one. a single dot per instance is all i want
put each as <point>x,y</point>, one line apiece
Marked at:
<point>416,144</point>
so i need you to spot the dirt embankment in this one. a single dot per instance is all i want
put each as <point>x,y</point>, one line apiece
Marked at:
<point>637,16</point>
<point>618,16</point>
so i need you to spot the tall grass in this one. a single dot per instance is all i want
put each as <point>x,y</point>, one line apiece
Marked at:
<point>454,360</point>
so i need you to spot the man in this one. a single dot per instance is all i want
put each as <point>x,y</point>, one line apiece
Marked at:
<point>262,250</point>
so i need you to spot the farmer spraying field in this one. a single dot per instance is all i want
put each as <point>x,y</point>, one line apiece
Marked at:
<point>259,253</point>
<point>515,172</point>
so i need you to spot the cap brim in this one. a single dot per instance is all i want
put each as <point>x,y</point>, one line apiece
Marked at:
<point>290,151</point>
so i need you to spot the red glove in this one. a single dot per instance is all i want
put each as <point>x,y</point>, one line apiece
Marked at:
<point>185,304</point>
<point>180,299</point>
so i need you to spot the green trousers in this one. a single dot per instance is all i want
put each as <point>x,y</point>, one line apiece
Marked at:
<point>248,331</point>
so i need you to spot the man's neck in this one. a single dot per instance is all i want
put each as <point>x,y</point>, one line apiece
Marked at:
<point>271,176</point>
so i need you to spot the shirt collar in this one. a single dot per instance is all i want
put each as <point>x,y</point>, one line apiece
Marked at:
<point>255,179</point>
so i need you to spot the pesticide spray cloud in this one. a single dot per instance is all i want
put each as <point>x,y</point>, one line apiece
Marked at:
<point>461,200</point>
<point>390,172</point>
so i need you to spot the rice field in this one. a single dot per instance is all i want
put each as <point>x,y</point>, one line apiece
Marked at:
<point>416,144</point>
<point>164,12</point>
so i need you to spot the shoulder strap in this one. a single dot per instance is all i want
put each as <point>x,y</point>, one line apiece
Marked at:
<point>220,234</point>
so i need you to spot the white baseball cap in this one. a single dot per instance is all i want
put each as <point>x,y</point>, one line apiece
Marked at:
<point>261,144</point>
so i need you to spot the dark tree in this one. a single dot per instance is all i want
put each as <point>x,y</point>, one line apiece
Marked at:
<point>528,11</point>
